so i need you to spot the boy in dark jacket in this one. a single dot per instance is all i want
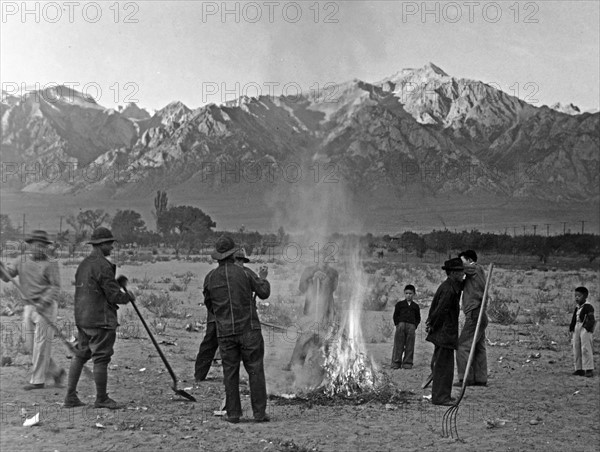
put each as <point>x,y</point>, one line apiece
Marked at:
<point>407,316</point>
<point>582,327</point>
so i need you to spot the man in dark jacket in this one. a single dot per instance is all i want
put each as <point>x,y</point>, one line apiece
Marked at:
<point>474,286</point>
<point>228,294</point>
<point>407,316</point>
<point>442,326</point>
<point>210,344</point>
<point>97,296</point>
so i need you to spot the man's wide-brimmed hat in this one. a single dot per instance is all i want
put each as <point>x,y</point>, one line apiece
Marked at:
<point>224,247</point>
<point>38,236</point>
<point>240,255</point>
<point>453,264</point>
<point>101,235</point>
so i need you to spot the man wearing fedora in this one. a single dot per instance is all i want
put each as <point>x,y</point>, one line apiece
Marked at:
<point>210,344</point>
<point>442,329</point>
<point>40,282</point>
<point>97,296</point>
<point>228,295</point>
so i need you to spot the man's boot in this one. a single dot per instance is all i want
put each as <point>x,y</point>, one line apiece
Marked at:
<point>101,380</point>
<point>71,399</point>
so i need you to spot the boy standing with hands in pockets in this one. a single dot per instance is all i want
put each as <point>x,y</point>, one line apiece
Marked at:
<point>407,316</point>
<point>582,327</point>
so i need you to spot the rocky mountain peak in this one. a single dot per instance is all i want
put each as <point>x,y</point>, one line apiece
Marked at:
<point>568,109</point>
<point>132,111</point>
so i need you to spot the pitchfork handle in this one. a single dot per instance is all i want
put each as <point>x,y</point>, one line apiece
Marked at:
<point>481,313</point>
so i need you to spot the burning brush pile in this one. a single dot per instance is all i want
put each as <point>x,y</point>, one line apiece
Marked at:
<point>348,368</point>
<point>350,376</point>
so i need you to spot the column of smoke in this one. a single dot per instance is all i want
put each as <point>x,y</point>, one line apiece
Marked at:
<point>310,212</point>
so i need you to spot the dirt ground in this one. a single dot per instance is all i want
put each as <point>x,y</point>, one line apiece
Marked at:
<point>532,401</point>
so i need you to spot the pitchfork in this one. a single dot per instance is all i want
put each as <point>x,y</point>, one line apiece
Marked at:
<point>449,427</point>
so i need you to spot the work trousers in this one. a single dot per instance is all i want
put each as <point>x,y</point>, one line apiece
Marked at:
<point>478,371</point>
<point>442,368</point>
<point>582,348</point>
<point>248,347</point>
<point>39,336</point>
<point>404,345</point>
<point>96,344</point>
<point>206,353</point>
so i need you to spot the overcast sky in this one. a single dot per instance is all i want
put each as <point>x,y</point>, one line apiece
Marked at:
<point>156,52</point>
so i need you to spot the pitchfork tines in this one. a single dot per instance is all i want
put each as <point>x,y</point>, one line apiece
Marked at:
<point>449,427</point>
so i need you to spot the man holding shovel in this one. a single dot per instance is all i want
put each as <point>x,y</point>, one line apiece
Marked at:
<point>97,296</point>
<point>40,285</point>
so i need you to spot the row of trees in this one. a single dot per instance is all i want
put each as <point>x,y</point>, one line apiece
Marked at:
<point>188,228</point>
<point>445,241</point>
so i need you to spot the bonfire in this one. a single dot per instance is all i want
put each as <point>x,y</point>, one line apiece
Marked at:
<point>348,367</point>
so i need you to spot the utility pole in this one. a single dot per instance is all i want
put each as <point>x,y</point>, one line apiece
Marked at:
<point>564,227</point>
<point>534,228</point>
<point>524,227</point>
<point>582,224</point>
<point>547,230</point>
<point>23,227</point>
<point>60,227</point>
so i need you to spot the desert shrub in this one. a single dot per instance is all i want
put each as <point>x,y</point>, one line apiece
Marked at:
<point>541,297</point>
<point>161,305</point>
<point>540,314</point>
<point>499,311</point>
<point>176,288</point>
<point>144,284</point>
<point>10,301</point>
<point>279,313</point>
<point>65,299</point>
<point>385,328</point>
<point>154,251</point>
<point>144,258</point>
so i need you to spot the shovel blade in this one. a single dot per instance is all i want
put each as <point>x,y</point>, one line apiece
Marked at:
<point>184,394</point>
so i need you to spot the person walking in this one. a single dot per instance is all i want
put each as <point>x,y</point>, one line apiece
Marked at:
<point>39,280</point>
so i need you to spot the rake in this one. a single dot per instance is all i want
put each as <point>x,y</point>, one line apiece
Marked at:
<point>449,427</point>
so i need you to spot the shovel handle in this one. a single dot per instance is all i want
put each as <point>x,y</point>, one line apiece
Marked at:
<point>42,315</point>
<point>163,357</point>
